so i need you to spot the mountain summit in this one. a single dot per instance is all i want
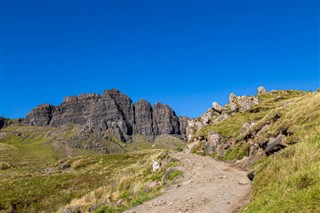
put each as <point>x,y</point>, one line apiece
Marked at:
<point>112,111</point>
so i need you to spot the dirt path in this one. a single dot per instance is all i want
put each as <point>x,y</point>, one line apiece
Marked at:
<point>207,186</point>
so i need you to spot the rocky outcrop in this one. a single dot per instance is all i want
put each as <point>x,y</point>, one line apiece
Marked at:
<point>242,103</point>
<point>275,145</point>
<point>112,112</point>
<point>165,120</point>
<point>143,118</point>
<point>261,90</point>
<point>183,120</point>
<point>41,115</point>
<point>211,142</point>
<point>2,122</point>
<point>217,107</point>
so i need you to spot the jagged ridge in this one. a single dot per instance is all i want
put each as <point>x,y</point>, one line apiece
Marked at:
<point>114,112</point>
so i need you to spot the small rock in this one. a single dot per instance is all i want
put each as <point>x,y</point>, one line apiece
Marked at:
<point>162,202</point>
<point>119,202</point>
<point>156,166</point>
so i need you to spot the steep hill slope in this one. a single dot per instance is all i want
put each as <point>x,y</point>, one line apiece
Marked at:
<point>278,139</point>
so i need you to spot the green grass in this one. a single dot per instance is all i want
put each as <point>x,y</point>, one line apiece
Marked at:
<point>174,174</point>
<point>236,152</point>
<point>289,181</point>
<point>32,179</point>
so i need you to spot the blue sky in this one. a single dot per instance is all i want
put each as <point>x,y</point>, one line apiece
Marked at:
<point>186,54</point>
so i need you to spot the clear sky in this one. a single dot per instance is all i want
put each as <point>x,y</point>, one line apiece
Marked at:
<point>186,54</point>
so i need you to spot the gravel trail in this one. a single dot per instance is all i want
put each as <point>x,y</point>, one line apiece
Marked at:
<point>207,186</point>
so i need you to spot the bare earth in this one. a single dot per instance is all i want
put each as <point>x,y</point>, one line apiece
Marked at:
<point>208,185</point>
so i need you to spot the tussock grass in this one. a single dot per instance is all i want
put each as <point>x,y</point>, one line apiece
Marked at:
<point>116,181</point>
<point>39,174</point>
<point>289,181</point>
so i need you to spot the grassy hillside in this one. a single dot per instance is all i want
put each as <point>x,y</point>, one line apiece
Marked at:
<point>41,172</point>
<point>288,180</point>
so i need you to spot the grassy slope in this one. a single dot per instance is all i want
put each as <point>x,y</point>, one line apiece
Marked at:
<point>32,179</point>
<point>288,181</point>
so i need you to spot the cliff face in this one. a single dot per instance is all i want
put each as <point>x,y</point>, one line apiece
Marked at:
<point>112,111</point>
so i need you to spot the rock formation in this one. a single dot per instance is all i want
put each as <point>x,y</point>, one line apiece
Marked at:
<point>2,122</point>
<point>114,112</point>
<point>218,113</point>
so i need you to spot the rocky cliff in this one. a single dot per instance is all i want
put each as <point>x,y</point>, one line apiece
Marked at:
<point>112,111</point>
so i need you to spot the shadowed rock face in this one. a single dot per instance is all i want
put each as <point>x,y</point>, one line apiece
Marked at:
<point>2,122</point>
<point>41,115</point>
<point>143,118</point>
<point>165,120</point>
<point>112,112</point>
<point>183,120</point>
